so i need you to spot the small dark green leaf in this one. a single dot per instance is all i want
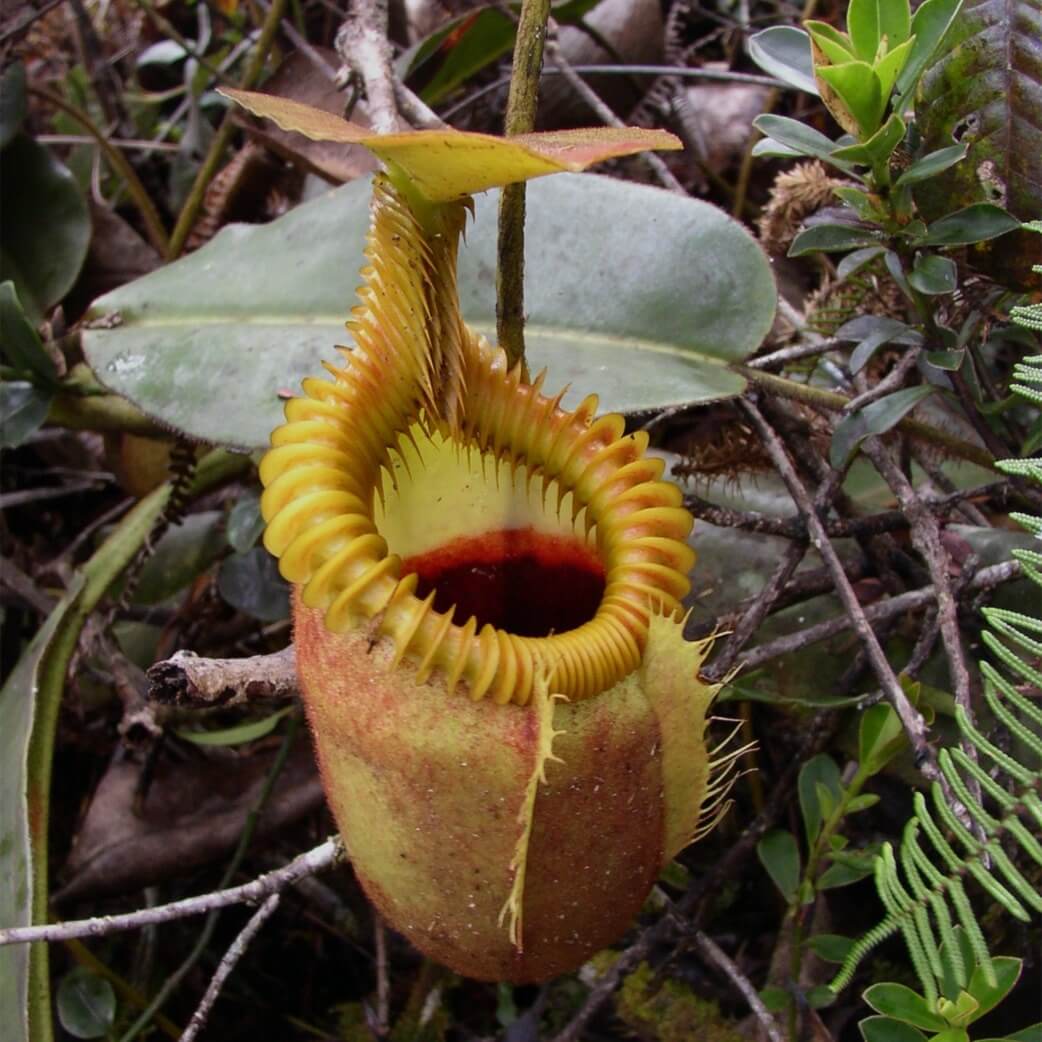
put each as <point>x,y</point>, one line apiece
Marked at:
<point>834,45</point>
<point>240,734</point>
<point>251,583</point>
<point>819,770</point>
<point>950,361</point>
<point>19,340</point>
<point>934,275</point>
<point>862,802</point>
<point>839,875</point>
<point>245,524</point>
<point>777,1000</point>
<point>86,1004</point>
<point>892,260</point>
<point>767,146</point>
<point>854,262</point>
<point>952,1035</point>
<point>820,996</point>
<point>830,946</point>
<point>23,410</point>
<point>795,135</point>
<point>12,102</point>
<point>988,996</point>
<point>976,223</point>
<point>900,1002</point>
<point>1033,1033</point>
<point>784,52</point>
<point>886,1029</point>
<point>831,238</point>
<point>932,165</point>
<point>46,226</point>
<point>779,854</point>
<point>858,329</point>
<point>876,418</point>
<point>183,553</point>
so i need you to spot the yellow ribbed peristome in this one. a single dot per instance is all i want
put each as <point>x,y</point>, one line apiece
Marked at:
<point>419,381</point>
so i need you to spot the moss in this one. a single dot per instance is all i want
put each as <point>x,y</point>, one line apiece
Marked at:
<point>670,1011</point>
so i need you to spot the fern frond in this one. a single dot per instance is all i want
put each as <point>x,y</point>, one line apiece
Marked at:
<point>922,888</point>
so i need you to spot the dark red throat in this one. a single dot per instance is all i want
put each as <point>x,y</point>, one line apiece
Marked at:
<point>519,580</point>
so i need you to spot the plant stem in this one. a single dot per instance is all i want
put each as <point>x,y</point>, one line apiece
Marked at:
<point>221,140</point>
<point>520,119</point>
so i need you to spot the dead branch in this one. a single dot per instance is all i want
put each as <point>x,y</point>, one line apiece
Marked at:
<point>185,679</point>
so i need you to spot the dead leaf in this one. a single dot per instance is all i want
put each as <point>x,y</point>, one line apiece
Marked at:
<point>193,814</point>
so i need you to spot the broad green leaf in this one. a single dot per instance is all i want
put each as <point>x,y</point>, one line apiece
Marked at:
<point>863,25</point>
<point>19,341</point>
<point>976,223</point>
<point>930,23</point>
<point>251,583</point>
<point>777,1000</point>
<point>784,52</point>
<point>876,418</point>
<point>819,770</point>
<point>878,147</point>
<point>821,996</point>
<point>900,1002</point>
<point>12,102</point>
<point>646,309</point>
<point>886,1029</point>
<point>240,734</point>
<point>932,164</point>
<point>878,330</point>
<point>183,553</point>
<point>779,854</point>
<point>86,1004</point>
<point>854,262</point>
<point>796,135</point>
<point>988,996</point>
<point>859,89</point>
<point>767,146</point>
<point>23,410</point>
<point>952,1035</point>
<point>46,226</point>
<point>840,875</point>
<point>449,164</point>
<point>862,802</point>
<point>933,275</point>
<point>1033,1033</point>
<point>831,238</point>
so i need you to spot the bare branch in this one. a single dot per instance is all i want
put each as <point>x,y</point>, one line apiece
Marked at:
<point>324,856</point>
<point>227,964</point>
<point>187,679</point>
<point>362,43</point>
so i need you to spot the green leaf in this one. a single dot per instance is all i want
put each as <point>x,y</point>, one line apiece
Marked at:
<point>183,553</point>
<point>27,726</point>
<point>988,996</point>
<point>952,1035</point>
<point>833,44</point>
<point>868,21</point>
<point>900,1002</point>
<point>890,65</point>
<point>838,875</point>
<point>777,1000</point>
<point>821,996</point>
<point>933,275</point>
<point>609,305</point>
<point>880,737</point>
<point>818,770</point>
<point>976,223</point>
<point>860,91</point>
<point>871,332</point>
<point>875,418</point>
<point>878,147</point>
<point>863,802</point>
<point>831,238</point>
<point>245,524</point>
<point>830,946</point>
<point>240,734</point>
<point>932,164</point>
<point>86,1004</point>
<point>779,854</point>
<point>854,262</point>
<point>251,583</point>
<point>930,23</point>
<point>796,135</point>
<point>23,410</point>
<point>46,226</point>
<point>21,344</point>
<point>783,51</point>
<point>767,146</point>
<point>12,102</point>
<point>1033,1033</point>
<point>886,1029</point>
